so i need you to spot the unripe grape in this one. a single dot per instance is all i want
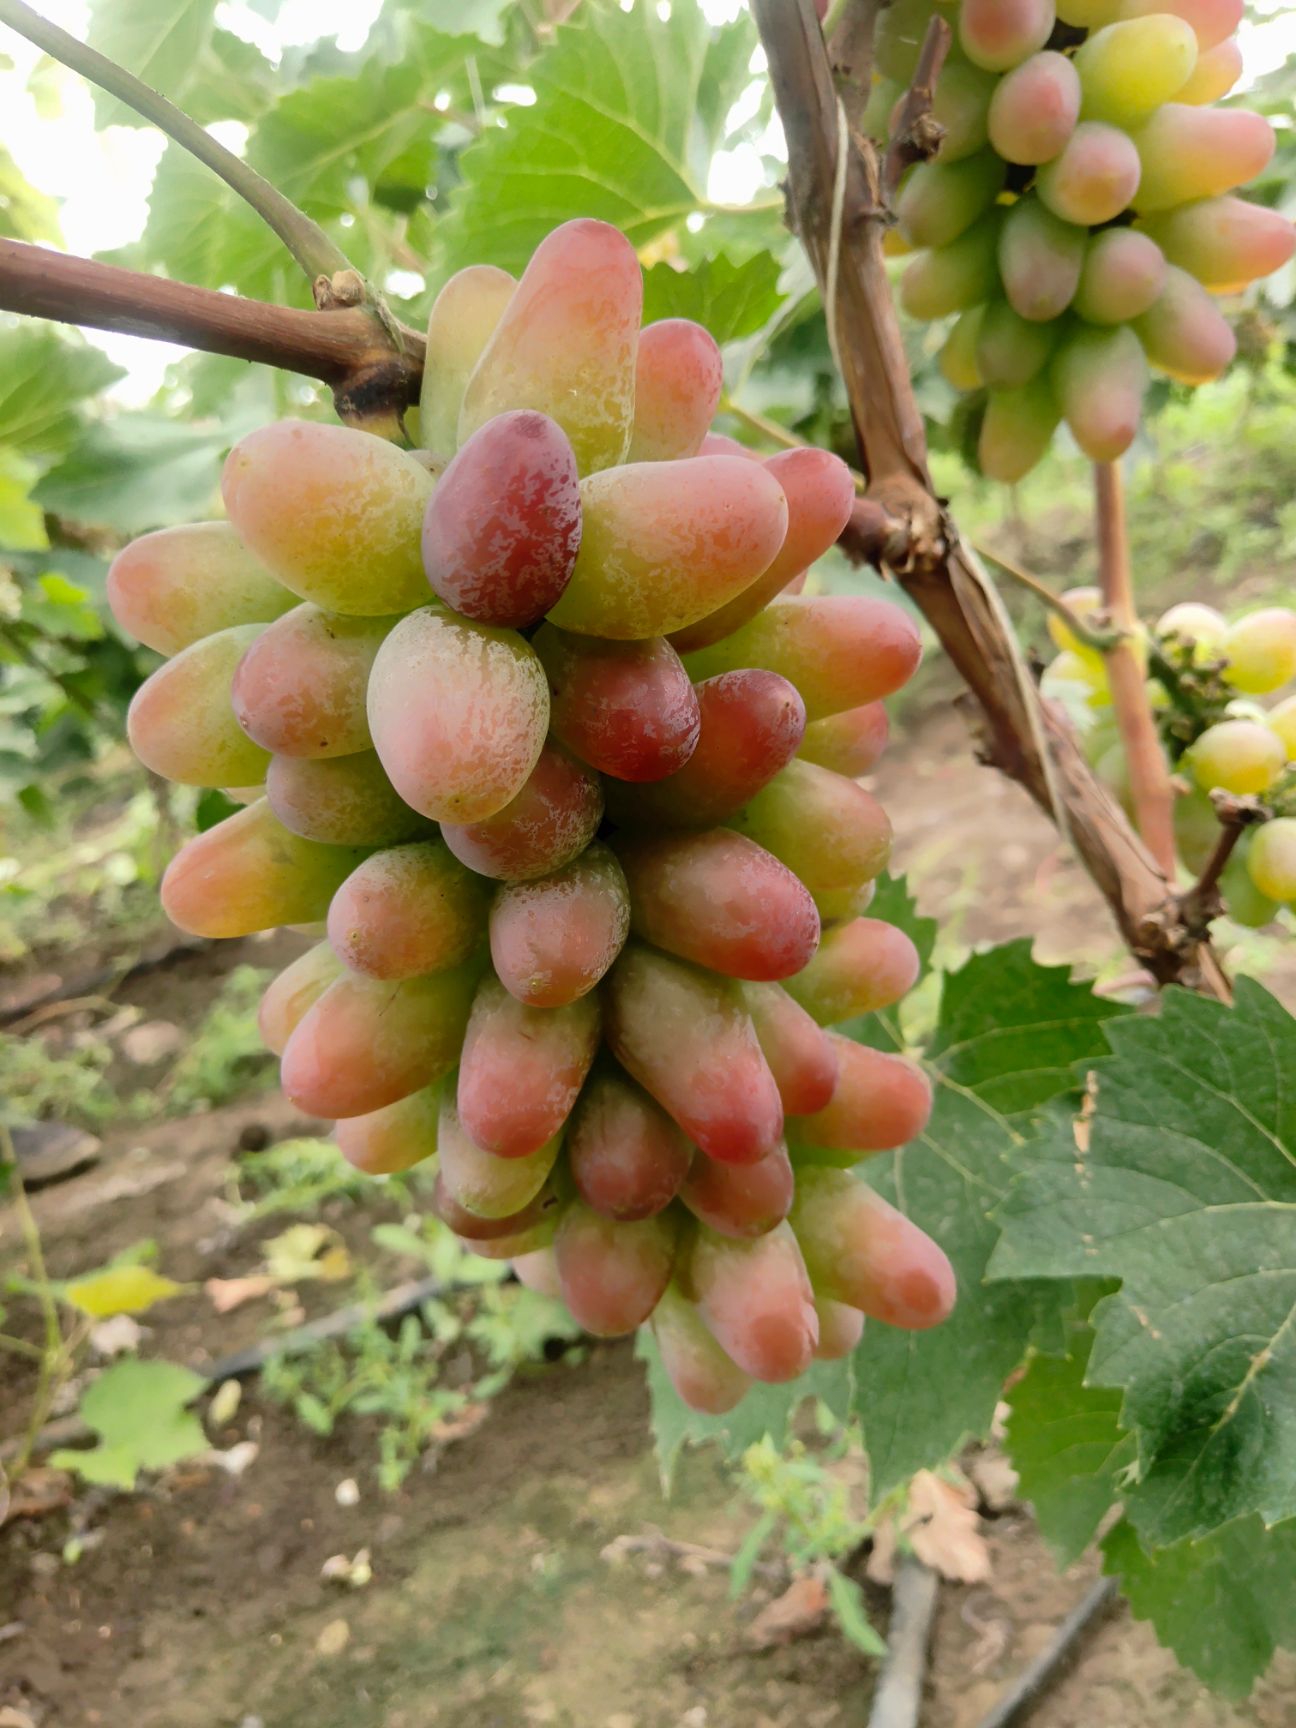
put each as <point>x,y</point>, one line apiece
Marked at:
<point>1094,178</point>
<point>175,586</point>
<point>1184,333</point>
<point>341,800</point>
<point>552,939</point>
<point>951,278</point>
<point>288,996</point>
<point>1261,651</point>
<point>1128,69</point>
<point>940,200</point>
<point>1017,430</point>
<point>679,374</point>
<point>458,713</point>
<point>1216,72</point>
<point>392,1139</point>
<point>859,967</point>
<point>861,1251</point>
<point>881,1101</point>
<point>522,1068</point>
<point>828,830</point>
<point>1000,34</point>
<point>1040,258</point>
<point>1034,109</point>
<point>740,1200</point>
<point>1089,14</point>
<point>958,360</point>
<point>1011,350</point>
<point>1282,721</point>
<point>550,821</point>
<point>565,344</point>
<point>181,723</point>
<point>1224,242</point>
<point>1189,153</point>
<point>460,324</point>
<point>1243,900</point>
<point>627,1158</point>
<point>299,690</point>
<point>1099,377</point>
<point>703,1376</point>
<point>1196,828</point>
<point>1239,756</point>
<point>755,1300</point>
<point>877,118</point>
<point>961,107</point>
<point>898,38</point>
<point>1211,20</point>
<point>407,910</point>
<point>1202,626</point>
<point>1123,274</point>
<point>849,743</point>
<point>1084,603</point>
<point>334,513</point>
<point>479,1181</point>
<point>1272,859</point>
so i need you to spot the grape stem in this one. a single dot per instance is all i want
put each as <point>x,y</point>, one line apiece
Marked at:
<point>917,134</point>
<point>1202,903</point>
<point>1103,641</point>
<point>1149,773</point>
<point>317,255</point>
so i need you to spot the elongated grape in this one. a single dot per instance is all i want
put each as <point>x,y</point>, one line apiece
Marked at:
<point>665,543</point>
<point>827,829</point>
<point>1211,20</point>
<point>1000,34</point>
<point>1129,68</point>
<point>1271,860</point>
<point>299,690</point>
<point>1216,72</point>
<point>552,939</point>
<point>740,1200</point>
<point>958,356</point>
<point>799,1053</point>
<point>751,724</point>
<point>1260,649</point>
<point>1094,178</point>
<point>538,1271</point>
<point>949,279</point>
<point>1011,350</point>
<point>1099,377</point>
<point>174,586</point>
<point>1184,333</point>
<point>940,200</point>
<point>838,649</point>
<point>406,911</point>
<point>755,1300</point>
<point>820,493</point>
<point>334,513</point>
<point>458,713</point>
<point>342,800</point>
<point>288,996</point>
<point>961,107</point>
<point>392,1139</point>
<point>550,821</point>
<point>849,743</point>
<point>838,905</point>
<point>626,708</point>
<point>722,901</point>
<point>626,1157</point>
<point>181,723</point>
<point>251,873</point>
<point>368,1042</point>
<point>686,1038</point>
<point>500,1238</point>
<point>479,1181</point>
<point>1189,153</point>
<point>1224,242</point>
<point>861,1251</point>
<point>501,531</point>
<point>1040,259</point>
<point>565,344</point>
<point>1123,274</point>
<point>703,1376</point>
<point>1239,756</point>
<point>678,378</point>
<point>612,1272</point>
<point>840,1330</point>
<point>1017,430</point>
<point>881,1101</point>
<point>1034,109</point>
<point>898,38</point>
<point>522,1068</point>
<point>859,967</point>
<point>460,324</point>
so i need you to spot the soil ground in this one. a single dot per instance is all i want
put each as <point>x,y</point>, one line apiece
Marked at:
<point>199,1603</point>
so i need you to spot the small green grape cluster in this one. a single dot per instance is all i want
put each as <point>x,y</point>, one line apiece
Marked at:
<point>1207,677</point>
<point>1079,215</point>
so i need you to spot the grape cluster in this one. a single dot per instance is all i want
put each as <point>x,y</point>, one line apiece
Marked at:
<point>584,825</point>
<point>1208,676</point>
<point>1079,216</point>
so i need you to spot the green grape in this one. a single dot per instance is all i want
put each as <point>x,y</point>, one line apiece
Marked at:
<point>1124,273</point>
<point>898,39</point>
<point>961,106</point>
<point>1094,178</point>
<point>951,278</point>
<point>1271,861</point>
<point>858,968</point>
<point>1202,626</point>
<point>826,828</point>
<point>1040,259</point>
<point>1017,430</point>
<point>1282,720</point>
<point>1089,14</point>
<point>1238,756</point>
<point>1128,69</point>
<point>1085,603</point>
<point>1010,349</point>
<point>1211,20</point>
<point>1189,153</point>
<point>1261,651</point>
<point>958,362</point>
<point>939,201</point>
<point>1034,109</point>
<point>1196,828</point>
<point>1244,901</point>
<point>1099,377</point>
<point>1224,242</point>
<point>1183,332</point>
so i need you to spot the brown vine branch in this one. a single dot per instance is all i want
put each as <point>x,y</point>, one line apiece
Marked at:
<point>917,135</point>
<point>1024,737</point>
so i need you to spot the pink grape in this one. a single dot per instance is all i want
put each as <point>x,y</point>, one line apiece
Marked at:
<point>679,374</point>
<point>881,1101</point>
<point>1224,242</point>
<point>181,723</point>
<point>1040,259</point>
<point>1184,333</point>
<point>342,800</point>
<point>1099,377</point>
<point>1000,34</point>
<point>860,967</point>
<point>755,1300</point>
<point>462,321</point>
<point>1094,178</point>
<point>740,1200</point>
<point>174,586</point>
<point>480,1182</point>
<point>626,708</point>
<point>299,689</point>
<point>406,911</point>
<point>612,1272</point>
<point>859,1250</point>
<point>627,1158</point>
<point>827,829</point>
<point>288,996</point>
<point>1216,72</point>
<point>1034,109</point>
<point>840,1330</point>
<point>522,1068</point>
<point>704,1377</point>
<point>553,938</point>
<point>800,1054</point>
<point>549,823</point>
<point>1189,153</point>
<point>1124,272</point>
<point>849,743</point>
<point>392,1139</point>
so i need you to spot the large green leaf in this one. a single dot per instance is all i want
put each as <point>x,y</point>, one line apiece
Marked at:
<point>1008,1034</point>
<point>1223,1605</point>
<point>1186,1192</point>
<point>731,300</point>
<point>25,213</point>
<point>44,375</point>
<point>627,105</point>
<point>160,41</point>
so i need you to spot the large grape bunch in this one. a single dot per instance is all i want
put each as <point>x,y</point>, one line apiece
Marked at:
<point>584,823</point>
<point>1079,217</point>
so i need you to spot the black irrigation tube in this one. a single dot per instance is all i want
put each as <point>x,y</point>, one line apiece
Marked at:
<point>1033,1681</point>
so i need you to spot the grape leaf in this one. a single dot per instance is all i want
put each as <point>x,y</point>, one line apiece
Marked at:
<point>1187,1194</point>
<point>617,123</point>
<point>1223,1605</point>
<point>43,376</point>
<point>731,300</point>
<point>765,1409</point>
<point>160,41</point>
<point>1008,1033</point>
<point>25,213</point>
<point>138,1411</point>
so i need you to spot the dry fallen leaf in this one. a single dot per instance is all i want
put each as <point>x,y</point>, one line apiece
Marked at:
<point>942,1526</point>
<point>799,1610</point>
<point>37,1492</point>
<point>227,1294</point>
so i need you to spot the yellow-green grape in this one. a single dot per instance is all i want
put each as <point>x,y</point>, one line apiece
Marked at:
<point>958,358</point>
<point>1086,603</point>
<point>1186,153</point>
<point>1083,672</point>
<point>1017,430</point>
<point>1211,20</point>
<point>1094,178</point>
<point>939,201</point>
<point>1261,651</point>
<point>1089,14</point>
<point>1184,333</point>
<point>1196,828</point>
<point>879,110</point>
<point>460,324</point>
<point>1271,860</point>
<point>1244,901</point>
<point>1123,275</point>
<point>951,278</point>
<point>898,38</point>
<point>1034,110</point>
<point>181,723</point>
<point>1040,259</point>
<point>1099,377</point>
<point>1128,69</point>
<point>1195,623</point>
<point>177,585</point>
<point>1216,72</point>
<point>1224,242</point>
<point>1282,720</point>
<point>1010,349</point>
<point>1239,756</point>
<point>961,106</point>
<point>1000,34</point>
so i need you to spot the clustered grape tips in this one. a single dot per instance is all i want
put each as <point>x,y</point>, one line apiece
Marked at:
<point>533,729</point>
